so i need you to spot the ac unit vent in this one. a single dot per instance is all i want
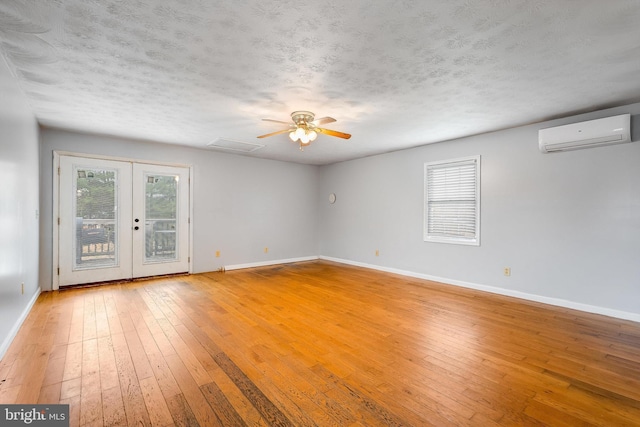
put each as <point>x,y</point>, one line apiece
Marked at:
<point>593,133</point>
<point>236,146</point>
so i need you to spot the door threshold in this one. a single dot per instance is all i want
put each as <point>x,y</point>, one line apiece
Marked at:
<point>119,281</point>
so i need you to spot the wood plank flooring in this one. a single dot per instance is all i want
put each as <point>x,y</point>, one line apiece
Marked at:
<point>318,343</point>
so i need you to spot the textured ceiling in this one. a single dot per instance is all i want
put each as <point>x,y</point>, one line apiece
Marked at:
<point>395,74</point>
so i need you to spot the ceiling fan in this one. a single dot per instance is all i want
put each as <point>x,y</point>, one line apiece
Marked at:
<point>304,128</point>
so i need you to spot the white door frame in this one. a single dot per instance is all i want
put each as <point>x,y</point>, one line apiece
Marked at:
<point>55,283</point>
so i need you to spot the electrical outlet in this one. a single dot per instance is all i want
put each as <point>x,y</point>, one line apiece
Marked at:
<point>266,250</point>
<point>217,254</point>
<point>507,271</point>
<point>377,252</point>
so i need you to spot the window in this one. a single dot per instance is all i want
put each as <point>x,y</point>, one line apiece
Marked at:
<point>452,201</point>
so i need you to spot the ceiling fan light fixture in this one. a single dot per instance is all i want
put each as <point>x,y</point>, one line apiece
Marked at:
<point>300,132</point>
<point>304,139</point>
<point>313,135</point>
<point>293,136</point>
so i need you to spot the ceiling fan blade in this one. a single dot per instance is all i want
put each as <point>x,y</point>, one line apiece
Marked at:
<point>334,133</point>
<point>323,120</point>
<point>278,121</point>
<point>275,133</point>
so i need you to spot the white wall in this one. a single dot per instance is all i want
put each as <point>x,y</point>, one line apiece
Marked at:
<point>568,224</point>
<point>241,204</point>
<point>19,178</point>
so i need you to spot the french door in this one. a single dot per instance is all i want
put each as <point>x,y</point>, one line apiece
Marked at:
<point>121,220</point>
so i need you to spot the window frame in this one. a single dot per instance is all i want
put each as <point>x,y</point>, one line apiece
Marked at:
<point>452,239</point>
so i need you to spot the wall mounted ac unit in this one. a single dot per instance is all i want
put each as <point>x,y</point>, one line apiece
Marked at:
<point>594,133</point>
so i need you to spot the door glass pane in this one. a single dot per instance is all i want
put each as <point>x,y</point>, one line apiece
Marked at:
<point>95,232</point>
<point>161,197</point>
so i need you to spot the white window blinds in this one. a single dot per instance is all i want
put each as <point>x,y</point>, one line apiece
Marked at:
<point>452,201</point>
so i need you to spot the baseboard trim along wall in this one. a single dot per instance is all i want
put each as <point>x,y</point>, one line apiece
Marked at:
<point>265,263</point>
<point>635,317</point>
<point>16,327</point>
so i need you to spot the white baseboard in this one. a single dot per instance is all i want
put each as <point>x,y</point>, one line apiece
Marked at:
<point>265,263</point>
<point>16,327</point>
<point>635,317</point>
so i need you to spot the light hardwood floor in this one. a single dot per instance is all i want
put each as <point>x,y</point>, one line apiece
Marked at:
<point>318,343</point>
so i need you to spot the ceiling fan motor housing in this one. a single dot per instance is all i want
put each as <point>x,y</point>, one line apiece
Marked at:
<point>302,118</point>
